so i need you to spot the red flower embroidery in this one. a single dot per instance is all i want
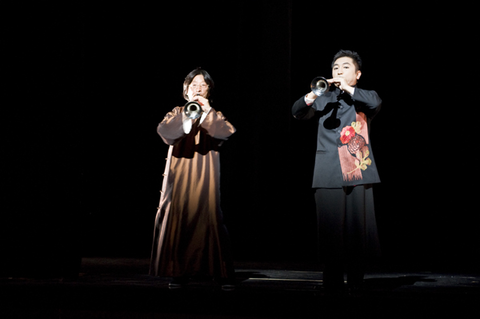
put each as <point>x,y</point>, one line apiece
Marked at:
<point>354,153</point>
<point>347,133</point>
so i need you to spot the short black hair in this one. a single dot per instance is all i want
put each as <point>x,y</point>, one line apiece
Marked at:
<point>189,78</point>
<point>351,54</point>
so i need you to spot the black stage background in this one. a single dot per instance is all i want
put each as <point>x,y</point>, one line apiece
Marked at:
<point>89,84</point>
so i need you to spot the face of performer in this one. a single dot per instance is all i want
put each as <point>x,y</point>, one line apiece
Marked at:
<point>345,68</point>
<point>198,87</point>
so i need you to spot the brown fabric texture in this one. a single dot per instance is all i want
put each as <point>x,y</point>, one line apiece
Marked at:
<point>190,238</point>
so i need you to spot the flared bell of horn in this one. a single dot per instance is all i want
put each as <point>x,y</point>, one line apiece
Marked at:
<point>319,85</point>
<point>193,110</point>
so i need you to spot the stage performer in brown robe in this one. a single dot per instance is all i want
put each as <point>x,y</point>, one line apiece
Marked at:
<point>190,238</point>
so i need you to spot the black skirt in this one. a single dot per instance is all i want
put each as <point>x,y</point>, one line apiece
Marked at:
<point>347,226</point>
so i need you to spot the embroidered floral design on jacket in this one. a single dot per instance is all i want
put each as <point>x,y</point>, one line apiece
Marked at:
<point>354,153</point>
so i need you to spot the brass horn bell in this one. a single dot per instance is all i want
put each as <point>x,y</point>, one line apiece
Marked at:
<point>319,85</point>
<point>193,110</point>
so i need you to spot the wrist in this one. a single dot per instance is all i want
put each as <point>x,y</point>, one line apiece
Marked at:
<point>311,96</point>
<point>206,108</point>
<point>349,89</point>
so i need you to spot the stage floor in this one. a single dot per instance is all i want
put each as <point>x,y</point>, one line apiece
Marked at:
<point>122,288</point>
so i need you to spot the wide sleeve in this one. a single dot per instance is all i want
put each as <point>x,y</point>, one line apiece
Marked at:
<point>217,125</point>
<point>171,128</point>
<point>301,110</point>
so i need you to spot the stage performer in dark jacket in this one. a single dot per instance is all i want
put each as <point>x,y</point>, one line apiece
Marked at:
<point>344,171</point>
<point>190,238</point>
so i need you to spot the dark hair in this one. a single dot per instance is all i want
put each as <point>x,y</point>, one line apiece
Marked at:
<point>193,74</point>
<point>351,54</point>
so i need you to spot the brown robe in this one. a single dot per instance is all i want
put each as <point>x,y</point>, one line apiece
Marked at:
<point>190,238</point>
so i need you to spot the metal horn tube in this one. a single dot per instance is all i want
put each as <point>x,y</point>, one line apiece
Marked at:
<point>193,110</point>
<point>319,85</point>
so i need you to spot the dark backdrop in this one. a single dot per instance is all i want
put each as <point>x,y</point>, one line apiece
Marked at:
<point>89,84</point>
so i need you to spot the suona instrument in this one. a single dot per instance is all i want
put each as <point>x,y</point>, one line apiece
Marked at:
<point>193,109</point>
<point>319,85</point>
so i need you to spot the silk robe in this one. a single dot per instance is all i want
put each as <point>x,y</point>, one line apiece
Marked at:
<point>190,238</point>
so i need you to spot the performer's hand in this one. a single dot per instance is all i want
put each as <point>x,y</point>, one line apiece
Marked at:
<point>342,84</point>
<point>205,104</point>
